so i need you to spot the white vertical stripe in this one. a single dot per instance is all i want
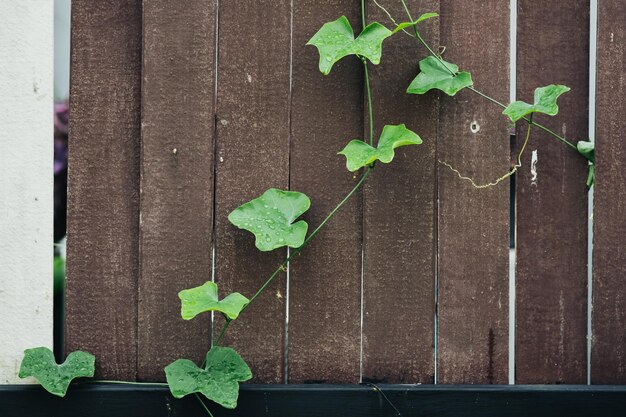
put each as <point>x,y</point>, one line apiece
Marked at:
<point>593,42</point>
<point>512,252</point>
<point>26,187</point>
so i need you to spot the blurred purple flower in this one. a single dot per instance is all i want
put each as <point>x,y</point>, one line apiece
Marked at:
<point>61,111</point>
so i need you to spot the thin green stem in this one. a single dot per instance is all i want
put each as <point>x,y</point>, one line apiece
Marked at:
<point>474,90</point>
<point>364,23</point>
<point>283,264</point>
<point>369,103</point>
<point>223,331</point>
<point>203,404</point>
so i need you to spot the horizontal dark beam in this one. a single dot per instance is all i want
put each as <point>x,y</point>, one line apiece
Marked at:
<point>86,400</point>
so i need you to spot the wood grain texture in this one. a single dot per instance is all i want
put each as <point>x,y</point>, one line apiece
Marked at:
<point>608,355</point>
<point>551,278</point>
<point>176,179</point>
<point>252,155</point>
<point>103,197</point>
<point>325,281</point>
<point>400,217</point>
<point>474,223</point>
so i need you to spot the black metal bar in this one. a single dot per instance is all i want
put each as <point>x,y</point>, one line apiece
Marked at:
<point>85,400</point>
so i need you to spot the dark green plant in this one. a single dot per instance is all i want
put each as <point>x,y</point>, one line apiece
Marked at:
<point>273,217</point>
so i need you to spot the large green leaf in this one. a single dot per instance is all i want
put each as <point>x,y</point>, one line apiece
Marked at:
<point>270,218</point>
<point>204,298</point>
<point>587,149</point>
<point>440,75</point>
<point>359,154</point>
<point>218,381</point>
<point>420,19</point>
<point>335,40</point>
<point>40,364</point>
<point>545,102</point>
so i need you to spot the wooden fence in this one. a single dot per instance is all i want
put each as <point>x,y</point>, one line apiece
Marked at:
<point>181,111</point>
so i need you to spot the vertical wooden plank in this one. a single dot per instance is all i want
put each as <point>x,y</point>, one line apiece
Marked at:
<point>474,223</point>
<point>26,207</point>
<point>252,155</point>
<point>325,281</point>
<point>551,277</point>
<point>103,176</point>
<point>608,355</point>
<point>400,217</point>
<point>176,178</point>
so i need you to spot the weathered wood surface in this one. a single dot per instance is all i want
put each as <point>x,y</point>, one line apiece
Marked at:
<point>252,155</point>
<point>551,278</point>
<point>176,179</point>
<point>608,355</point>
<point>325,281</point>
<point>400,218</point>
<point>474,223</point>
<point>103,197</point>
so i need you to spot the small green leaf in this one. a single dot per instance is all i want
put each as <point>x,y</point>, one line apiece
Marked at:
<point>40,364</point>
<point>586,149</point>
<point>545,102</point>
<point>435,73</point>
<point>420,19</point>
<point>270,217</point>
<point>335,40</point>
<point>218,381</point>
<point>359,154</point>
<point>591,176</point>
<point>204,298</point>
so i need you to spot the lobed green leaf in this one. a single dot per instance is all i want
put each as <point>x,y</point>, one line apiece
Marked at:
<point>39,363</point>
<point>204,298</point>
<point>335,40</point>
<point>218,381</point>
<point>440,75</point>
<point>359,154</point>
<point>270,218</point>
<point>545,102</point>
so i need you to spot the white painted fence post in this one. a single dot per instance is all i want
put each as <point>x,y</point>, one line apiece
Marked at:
<point>26,181</point>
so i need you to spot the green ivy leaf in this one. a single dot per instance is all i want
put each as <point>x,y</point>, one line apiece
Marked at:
<point>545,102</point>
<point>204,298</point>
<point>218,381</point>
<point>40,364</point>
<point>359,154</point>
<point>335,40</point>
<point>586,149</point>
<point>270,217</point>
<point>420,19</point>
<point>436,74</point>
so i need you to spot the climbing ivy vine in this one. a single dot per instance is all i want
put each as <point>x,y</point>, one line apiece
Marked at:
<point>272,218</point>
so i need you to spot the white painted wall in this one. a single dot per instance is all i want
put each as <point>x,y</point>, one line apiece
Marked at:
<point>26,155</point>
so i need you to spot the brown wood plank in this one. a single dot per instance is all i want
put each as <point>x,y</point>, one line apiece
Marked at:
<point>252,155</point>
<point>325,281</point>
<point>103,198</point>
<point>608,355</point>
<point>176,179</point>
<point>400,217</point>
<point>551,277</point>
<point>474,223</point>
